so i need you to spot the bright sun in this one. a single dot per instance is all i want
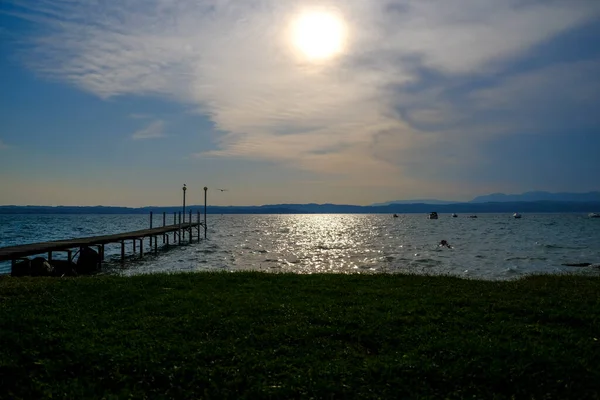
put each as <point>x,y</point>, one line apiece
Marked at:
<point>318,35</point>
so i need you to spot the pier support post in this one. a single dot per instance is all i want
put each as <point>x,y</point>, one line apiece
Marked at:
<point>141,247</point>
<point>150,219</point>
<point>69,255</point>
<point>155,245</point>
<point>49,256</point>
<point>179,231</point>
<point>122,251</point>
<point>133,246</point>
<point>191,231</point>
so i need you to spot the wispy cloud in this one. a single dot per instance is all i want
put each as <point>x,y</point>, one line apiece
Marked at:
<point>154,130</point>
<point>233,61</point>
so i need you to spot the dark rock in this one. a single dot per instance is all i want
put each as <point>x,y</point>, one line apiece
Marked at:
<point>88,261</point>
<point>578,265</point>
<point>22,268</point>
<point>64,268</point>
<point>41,267</point>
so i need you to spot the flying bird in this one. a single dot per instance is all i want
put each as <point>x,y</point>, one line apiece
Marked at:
<point>223,190</point>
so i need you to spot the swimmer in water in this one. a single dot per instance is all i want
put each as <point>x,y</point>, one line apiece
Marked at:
<point>444,243</point>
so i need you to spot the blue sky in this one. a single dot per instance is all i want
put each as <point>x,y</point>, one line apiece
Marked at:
<point>121,102</point>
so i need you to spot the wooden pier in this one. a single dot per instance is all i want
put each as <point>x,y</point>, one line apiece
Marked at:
<point>182,232</point>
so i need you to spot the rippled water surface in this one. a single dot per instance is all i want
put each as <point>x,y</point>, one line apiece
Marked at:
<point>493,246</point>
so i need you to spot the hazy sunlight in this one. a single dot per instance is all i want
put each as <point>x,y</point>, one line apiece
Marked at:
<point>319,35</point>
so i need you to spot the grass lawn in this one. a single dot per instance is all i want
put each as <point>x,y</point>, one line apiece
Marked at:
<point>256,335</point>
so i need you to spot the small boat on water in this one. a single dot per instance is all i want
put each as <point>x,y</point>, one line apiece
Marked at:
<point>594,215</point>
<point>395,215</point>
<point>472,216</point>
<point>432,215</point>
<point>516,215</point>
<point>454,215</point>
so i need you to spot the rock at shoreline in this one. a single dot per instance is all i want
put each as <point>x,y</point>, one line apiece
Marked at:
<point>36,267</point>
<point>577,265</point>
<point>88,261</point>
<point>32,267</point>
<point>39,266</point>
<point>64,268</point>
<point>22,268</point>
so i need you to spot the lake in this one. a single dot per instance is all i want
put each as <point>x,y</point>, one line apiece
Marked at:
<point>493,246</point>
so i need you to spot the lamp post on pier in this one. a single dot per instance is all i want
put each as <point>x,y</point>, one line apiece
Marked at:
<point>184,189</point>
<point>205,227</point>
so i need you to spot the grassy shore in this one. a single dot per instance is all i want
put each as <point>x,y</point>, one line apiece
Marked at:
<point>255,335</point>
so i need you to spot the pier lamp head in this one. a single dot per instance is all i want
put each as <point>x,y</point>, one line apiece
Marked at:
<point>184,187</point>
<point>205,188</point>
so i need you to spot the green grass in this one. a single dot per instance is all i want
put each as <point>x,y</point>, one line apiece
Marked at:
<point>255,335</point>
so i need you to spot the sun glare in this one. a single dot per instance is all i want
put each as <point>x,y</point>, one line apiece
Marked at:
<point>318,35</point>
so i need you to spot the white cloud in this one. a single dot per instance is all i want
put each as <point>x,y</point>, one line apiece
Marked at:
<point>233,61</point>
<point>154,130</point>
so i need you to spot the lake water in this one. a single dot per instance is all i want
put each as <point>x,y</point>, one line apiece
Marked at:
<point>493,246</point>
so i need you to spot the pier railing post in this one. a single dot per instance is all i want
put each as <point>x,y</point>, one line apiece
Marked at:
<point>190,228</point>
<point>198,226</point>
<point>174,218</point>
<point>179,227</point>
<point>150,219</point>
<point>164,224</point>
<point>205,227</point>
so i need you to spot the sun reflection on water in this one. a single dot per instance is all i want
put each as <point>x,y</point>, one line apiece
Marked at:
<point>324,243</point>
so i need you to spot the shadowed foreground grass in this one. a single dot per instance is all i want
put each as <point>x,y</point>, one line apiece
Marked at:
<point>255,335</point>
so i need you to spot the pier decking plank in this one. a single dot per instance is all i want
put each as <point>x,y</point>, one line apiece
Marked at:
<point>15,252</point>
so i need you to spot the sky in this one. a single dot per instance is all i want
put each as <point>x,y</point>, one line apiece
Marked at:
<point>121,102</point>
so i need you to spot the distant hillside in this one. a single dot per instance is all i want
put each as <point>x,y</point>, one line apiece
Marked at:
<point>419,201</point>
<point>460,208</point>
<point>538,196</point>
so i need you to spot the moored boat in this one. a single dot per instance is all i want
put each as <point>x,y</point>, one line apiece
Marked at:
<point>432,215</point>
<point>594,215</point>
<point>516,215</point>
<point>454,215</point>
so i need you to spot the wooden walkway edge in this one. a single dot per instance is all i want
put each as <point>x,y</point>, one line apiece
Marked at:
<point>180,231</point>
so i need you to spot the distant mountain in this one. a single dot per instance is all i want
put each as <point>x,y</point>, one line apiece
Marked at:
<point>538,196</point>
<point>419,201</point>
<point>460,208</point>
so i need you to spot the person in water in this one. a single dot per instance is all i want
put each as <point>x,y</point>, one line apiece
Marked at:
<point>444,243</point>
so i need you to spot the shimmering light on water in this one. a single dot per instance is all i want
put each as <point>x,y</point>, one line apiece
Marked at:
<point>493,246</point>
